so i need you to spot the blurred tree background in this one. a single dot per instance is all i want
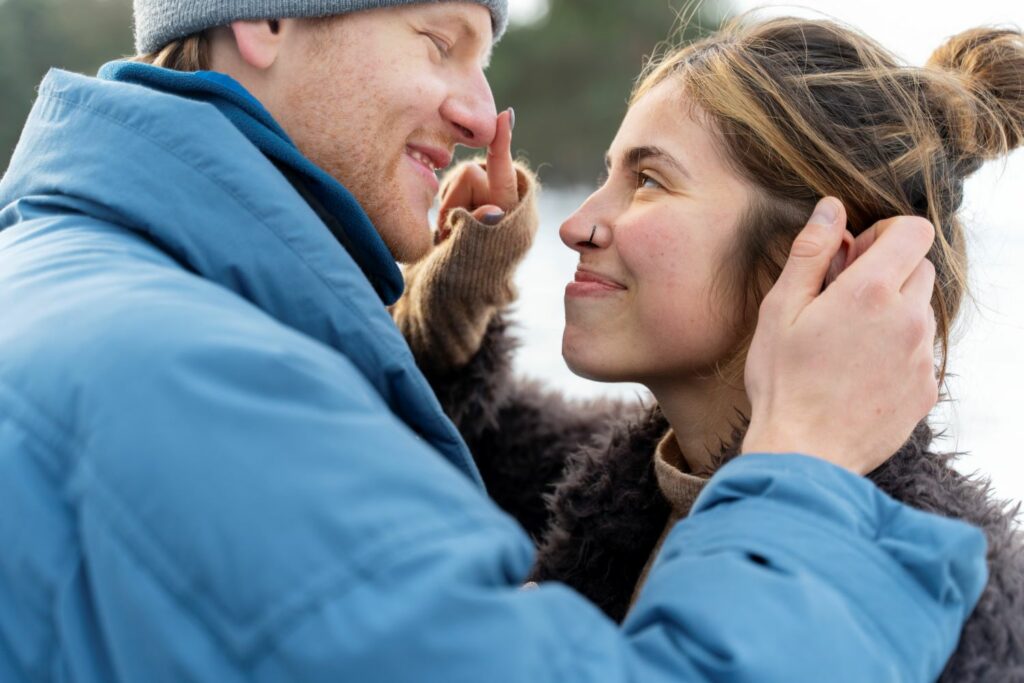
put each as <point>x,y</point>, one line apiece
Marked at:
<point>78,35</point>
<point>569,73</point>
<point>567,66</point>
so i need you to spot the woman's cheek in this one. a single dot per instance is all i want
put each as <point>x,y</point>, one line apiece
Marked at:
<point>661,263</point>
<point>674,306</point>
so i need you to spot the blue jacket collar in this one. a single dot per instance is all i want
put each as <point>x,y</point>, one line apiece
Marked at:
<point>350,226</point>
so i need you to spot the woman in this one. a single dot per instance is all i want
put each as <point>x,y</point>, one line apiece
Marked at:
<point>727,147</point>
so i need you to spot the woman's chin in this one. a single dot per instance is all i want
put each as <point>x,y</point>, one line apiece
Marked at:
<point>584,372</point>
<point>587,362</point>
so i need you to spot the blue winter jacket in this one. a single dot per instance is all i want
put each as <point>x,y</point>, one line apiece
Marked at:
<point>218,461</point>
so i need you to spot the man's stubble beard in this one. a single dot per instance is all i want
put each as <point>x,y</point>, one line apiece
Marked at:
<point>406,234</point>
<point>371,174</point>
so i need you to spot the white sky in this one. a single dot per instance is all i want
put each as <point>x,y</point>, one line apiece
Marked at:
<point>910,28</point>
<point>522,11</point>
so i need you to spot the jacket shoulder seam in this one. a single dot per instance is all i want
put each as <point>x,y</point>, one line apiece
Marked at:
<point>48,431</point>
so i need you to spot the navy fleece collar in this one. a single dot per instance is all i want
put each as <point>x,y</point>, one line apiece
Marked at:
<point>245,112</point>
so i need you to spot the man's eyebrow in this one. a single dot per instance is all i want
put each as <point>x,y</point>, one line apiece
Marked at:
<point>466,30</point>
<point>637,155</point>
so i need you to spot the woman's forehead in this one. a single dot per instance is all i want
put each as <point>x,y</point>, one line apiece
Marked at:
<point>665,118</point>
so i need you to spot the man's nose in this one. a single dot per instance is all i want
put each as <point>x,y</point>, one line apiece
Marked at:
<point>471,112</point>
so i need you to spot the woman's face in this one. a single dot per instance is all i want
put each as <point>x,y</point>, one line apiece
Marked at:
<point>647,303</point>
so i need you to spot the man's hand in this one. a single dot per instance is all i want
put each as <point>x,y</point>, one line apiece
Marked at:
<point>847,373</point>
<point>487,191</point>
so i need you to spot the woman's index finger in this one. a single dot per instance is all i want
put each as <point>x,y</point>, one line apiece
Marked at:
<point>501,171</point>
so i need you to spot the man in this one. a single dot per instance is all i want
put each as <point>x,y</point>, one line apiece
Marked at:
<point>218,461</point>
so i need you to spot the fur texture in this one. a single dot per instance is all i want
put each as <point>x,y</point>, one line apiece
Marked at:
<point>519,432</point>
<point>580,478</point>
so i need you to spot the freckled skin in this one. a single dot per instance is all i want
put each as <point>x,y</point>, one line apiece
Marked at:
<point>355,94</point>
<point>667,245</point>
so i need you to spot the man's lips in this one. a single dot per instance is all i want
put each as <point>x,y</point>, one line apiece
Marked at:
<point>587,282</point>
<point>434,158</point>
<point>429,160</point>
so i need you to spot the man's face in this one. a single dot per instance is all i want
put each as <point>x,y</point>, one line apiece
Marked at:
<point>379,98</point>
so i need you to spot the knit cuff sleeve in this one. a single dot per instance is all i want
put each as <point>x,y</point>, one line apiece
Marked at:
<point>453,293</point>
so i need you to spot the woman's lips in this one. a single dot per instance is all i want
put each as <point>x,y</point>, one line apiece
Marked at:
<point>587,283</point>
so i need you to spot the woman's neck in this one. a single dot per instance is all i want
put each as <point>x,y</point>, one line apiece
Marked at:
<point>703,414</point>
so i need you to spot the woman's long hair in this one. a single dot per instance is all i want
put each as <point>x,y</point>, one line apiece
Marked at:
<point>809,108</point>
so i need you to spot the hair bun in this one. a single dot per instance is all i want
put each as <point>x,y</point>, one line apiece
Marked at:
<point>988,112</point>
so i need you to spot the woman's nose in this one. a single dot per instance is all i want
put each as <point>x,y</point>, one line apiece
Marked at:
<point>581,234</point>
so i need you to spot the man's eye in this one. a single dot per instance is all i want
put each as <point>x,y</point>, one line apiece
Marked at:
<point>442,47</point>
<point>644,181</point>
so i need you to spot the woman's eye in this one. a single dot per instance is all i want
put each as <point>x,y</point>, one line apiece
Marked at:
<point>644,181</point>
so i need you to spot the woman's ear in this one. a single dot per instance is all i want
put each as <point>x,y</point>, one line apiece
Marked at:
<point>844,257</point>
<point>259,42</point>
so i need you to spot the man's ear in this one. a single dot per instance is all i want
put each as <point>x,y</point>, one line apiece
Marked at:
<point>259,42</point>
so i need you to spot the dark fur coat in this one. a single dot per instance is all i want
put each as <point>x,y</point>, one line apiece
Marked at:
<point>579,477</point>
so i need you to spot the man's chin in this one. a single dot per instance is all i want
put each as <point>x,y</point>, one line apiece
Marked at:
<point>409,240</point>
<point>408,255</point>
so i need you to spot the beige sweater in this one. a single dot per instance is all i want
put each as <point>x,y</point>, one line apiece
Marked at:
<point>680,489</point>
<point>454,291</point>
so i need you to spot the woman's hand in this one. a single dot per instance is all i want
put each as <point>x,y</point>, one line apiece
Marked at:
<point>453,293</point>
<point>489,190</point>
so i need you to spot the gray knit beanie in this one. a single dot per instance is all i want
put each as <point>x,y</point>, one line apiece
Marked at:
<point>158,22</point>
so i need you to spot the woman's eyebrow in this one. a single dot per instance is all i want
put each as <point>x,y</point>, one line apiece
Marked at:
<point>637,155</point>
